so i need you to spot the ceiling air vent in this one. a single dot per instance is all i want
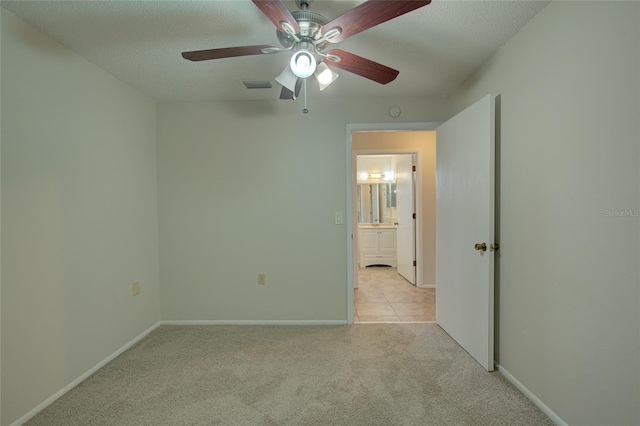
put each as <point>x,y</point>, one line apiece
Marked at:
<point>266,84</point>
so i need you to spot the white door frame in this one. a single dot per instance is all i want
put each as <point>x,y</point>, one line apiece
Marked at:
<point>351,182</point>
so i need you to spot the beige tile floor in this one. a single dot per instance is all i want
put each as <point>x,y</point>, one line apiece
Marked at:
<point>383,295</point>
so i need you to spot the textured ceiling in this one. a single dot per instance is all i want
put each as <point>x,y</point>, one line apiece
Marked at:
<point>435,48</point>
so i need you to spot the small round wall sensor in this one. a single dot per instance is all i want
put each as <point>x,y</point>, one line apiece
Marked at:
<point>394,111</point>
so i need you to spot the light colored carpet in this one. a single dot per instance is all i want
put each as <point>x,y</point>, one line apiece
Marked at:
<point>365,374</point>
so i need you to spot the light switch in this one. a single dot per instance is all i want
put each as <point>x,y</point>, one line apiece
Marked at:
<point>339,218</point>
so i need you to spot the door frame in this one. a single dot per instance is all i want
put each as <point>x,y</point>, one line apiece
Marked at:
<point>352,181</point>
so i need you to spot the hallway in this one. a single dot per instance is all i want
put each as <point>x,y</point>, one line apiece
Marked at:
<point>383,295</point>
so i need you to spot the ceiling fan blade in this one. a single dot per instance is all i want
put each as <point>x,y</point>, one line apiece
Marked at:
<point>370,14</point>
<point>298,86</point>
<point>288,94</point>
<point>226,52</point>
<point>277,12</point>
<point>363,67</point>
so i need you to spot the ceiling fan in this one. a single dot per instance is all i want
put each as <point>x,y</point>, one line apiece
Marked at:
<point>309,34</point>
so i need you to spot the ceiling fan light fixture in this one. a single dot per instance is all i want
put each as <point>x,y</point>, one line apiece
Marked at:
<point>287,79</point>
<point>303,31</point>
<point>303,63</point>
<point>324,75</point>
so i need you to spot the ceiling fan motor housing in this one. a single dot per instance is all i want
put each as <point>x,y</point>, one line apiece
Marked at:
<point>310,27</point>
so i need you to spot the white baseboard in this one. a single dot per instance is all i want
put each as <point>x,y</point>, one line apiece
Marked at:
<point>83,377</point>
<point>522,388</point>
<point>426,286</point>
<point>254,322</point>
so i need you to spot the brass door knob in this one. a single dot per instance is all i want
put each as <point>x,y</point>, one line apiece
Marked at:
<point>482,247</point>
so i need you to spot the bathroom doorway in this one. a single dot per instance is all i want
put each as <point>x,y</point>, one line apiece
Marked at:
<point>386,212</point>
<point>418,145</point>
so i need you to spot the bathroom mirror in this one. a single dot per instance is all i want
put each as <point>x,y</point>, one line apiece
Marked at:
<point>376,203</point>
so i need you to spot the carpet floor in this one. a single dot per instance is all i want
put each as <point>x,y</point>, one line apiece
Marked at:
<point>365,374</point>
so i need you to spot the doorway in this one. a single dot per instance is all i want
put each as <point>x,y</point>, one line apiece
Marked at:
<point>402,138</point>
<point>386,241</point>
<point>386,212</point>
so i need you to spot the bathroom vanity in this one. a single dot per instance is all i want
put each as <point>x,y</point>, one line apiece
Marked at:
<point>377,244</point>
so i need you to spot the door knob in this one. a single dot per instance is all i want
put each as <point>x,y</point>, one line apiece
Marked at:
<point>482,247</point>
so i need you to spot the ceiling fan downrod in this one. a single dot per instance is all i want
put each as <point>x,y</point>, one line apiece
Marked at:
<point>303,4</point>
<point>305,110</point>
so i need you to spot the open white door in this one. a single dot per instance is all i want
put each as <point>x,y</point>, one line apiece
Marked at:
<point>406,233</point>
<point>464,218</point>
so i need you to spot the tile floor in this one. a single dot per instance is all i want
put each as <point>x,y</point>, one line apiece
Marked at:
<point>383,295</point>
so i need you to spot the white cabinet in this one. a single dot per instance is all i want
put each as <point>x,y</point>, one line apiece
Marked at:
<point>377,246</point>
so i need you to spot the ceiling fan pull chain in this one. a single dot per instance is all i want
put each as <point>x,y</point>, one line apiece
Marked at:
<point>305,110</point>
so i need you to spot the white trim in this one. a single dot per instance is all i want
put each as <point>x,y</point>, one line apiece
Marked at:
<point>394,322</point>
<point>426,286</point>
<point>392,127</point>
<point>83,377</point>
<point>349,221</point>
<point>253,322</point>
<point>522,388</point>
<point>351,261</point>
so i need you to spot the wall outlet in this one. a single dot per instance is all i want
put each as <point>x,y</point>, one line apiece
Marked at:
<point>136,288</point>
<point>262,279</point>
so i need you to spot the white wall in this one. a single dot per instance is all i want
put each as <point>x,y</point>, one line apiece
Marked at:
<point>0,226</point>
<point>79,216</point>
<point>569,318</point>
<point>252,187</point>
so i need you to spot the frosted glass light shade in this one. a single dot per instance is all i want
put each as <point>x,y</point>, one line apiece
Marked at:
<point>288,79</point>
<point>324,75</point>
<point>303,64</point>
